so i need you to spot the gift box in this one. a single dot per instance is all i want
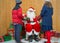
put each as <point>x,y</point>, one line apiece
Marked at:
<point>11,26</point>
<point>7,37</point>
<point>1,39</point>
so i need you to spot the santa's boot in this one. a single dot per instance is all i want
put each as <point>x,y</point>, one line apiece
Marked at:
<point>30,38</point>
<point>36,38</point>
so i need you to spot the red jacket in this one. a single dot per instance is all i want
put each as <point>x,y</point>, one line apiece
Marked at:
<point>17,16</point>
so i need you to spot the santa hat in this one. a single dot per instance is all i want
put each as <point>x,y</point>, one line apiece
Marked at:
<point>47,0</point>
<point>18,1</point>
<point>31,9</point>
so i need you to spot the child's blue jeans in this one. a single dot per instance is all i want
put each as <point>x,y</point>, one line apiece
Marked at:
<point>18,28</point>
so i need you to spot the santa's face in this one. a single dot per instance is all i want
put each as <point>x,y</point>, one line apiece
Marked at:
<point>31,14</point>
<point>31,11</point>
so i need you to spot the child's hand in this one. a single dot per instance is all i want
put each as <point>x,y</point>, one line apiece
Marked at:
<point>24,15</point>
<point>38,18</point>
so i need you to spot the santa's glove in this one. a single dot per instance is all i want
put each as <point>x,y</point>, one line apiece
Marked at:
<point>25,16</point>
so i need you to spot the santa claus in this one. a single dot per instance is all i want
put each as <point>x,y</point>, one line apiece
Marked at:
<point>32,26</point>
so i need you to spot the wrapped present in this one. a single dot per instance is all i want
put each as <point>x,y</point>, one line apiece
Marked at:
<point>1,39</point>
<point>57,35</point>
<point>11,26</point>
<point>11,30</point>
<point>53,33</point>
<point>7,37</point>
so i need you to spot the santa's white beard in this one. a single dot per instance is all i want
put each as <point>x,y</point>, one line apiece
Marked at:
<point>31,15</point>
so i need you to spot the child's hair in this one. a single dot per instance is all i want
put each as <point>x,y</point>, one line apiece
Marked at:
<point>17,6</point>
<point>48,4</point>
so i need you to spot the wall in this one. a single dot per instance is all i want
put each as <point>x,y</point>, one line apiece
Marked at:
<point>6,7</point>
<point>58,15</point>
<point>5,15</point>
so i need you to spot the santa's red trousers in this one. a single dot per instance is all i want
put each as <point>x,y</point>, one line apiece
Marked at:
<point>36,27</point>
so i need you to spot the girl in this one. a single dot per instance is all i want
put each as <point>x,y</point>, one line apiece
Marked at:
<point>46,15</point>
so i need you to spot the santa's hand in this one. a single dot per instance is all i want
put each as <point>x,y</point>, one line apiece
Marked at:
<point>24,15</point>
<point>26,19</point>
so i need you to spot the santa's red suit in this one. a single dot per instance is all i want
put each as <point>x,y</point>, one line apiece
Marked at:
<point>32,24</point>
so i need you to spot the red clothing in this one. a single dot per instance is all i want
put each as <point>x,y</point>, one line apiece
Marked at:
<point>36,27</point>
<point>48,36</point>
<point>17,16</point>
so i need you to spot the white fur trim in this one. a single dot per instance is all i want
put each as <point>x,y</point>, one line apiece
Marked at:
<point>31,9</point>
<point>36,33</point>
<point>29,33</point>
<point>27,36</point>
<point>33,23</point>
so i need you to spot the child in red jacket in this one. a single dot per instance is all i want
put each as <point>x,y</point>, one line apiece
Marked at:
<point>17,20</point>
